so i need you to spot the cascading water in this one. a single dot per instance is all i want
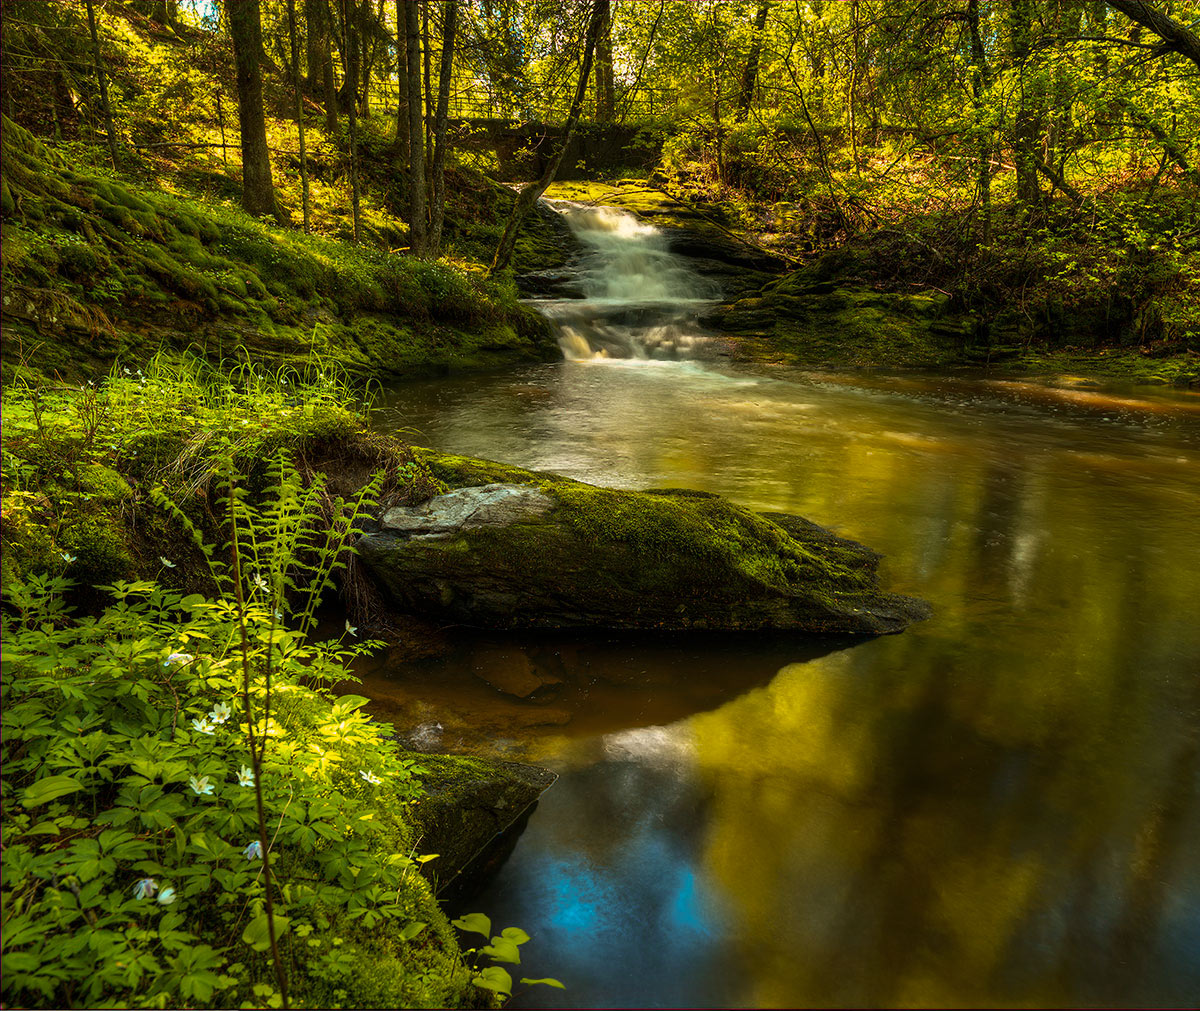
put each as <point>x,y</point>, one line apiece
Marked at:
<point>639,300</point>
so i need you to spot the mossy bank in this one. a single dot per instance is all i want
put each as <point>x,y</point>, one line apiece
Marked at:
<point>98,269</point>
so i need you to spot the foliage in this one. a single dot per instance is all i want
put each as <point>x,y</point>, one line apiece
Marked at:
<point>134,745</point>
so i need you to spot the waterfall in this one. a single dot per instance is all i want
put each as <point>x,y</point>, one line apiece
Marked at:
<point>639,300</point>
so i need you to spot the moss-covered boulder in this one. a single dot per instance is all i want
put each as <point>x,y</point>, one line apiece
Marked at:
<point>515,549</point>
<point>470,808</point>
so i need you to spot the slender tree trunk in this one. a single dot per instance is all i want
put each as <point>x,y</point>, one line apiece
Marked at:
<point>258,192</point>
<point>1025,126</point>
<point>533,192</point>
<point>979,83</point>
<point>299,97</point>
<point>605,93</point>
<point>750,71</point>
<point>437,210</point>
<point>417,220</point>
<point>328,80</point>
<point>401,145</point>
<point>102,83</point>
<point>428,87</point>
<point>314,38</point>
<point>349,45</point>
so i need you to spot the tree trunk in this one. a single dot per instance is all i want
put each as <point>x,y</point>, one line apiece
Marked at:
<point>437,210</point>
<point>750,71</point>
<point>979,81</point>
<point>605,93</point>
<point>1025,126</point>
<point>349,46</point>
<point>533,192</point>
<point>427,70</point>
<point>401,145</point>
<point>314,39</point>
<point>102,83</point>
<point>417,223</point>
<point>1176,37</point>
<point>258,192</point>
<point>295,46</point>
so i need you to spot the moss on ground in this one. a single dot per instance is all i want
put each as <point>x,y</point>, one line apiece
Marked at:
<point>96,269</point>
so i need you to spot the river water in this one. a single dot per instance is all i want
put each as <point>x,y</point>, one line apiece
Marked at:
<point>999,806</point>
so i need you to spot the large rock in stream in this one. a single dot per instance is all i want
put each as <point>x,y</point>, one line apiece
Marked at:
<point>510,548</point>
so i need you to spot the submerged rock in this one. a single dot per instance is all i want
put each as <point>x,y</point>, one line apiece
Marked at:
<point>542,551</point>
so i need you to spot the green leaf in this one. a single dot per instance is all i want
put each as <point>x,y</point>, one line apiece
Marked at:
<point>257,934</point>
<point>411,930</point>
<point>50,788</point>
<point>502,950</point>
<point>494,978</point>
<point>526,981</point>
<point>515,934</point>
<point>474,923</point>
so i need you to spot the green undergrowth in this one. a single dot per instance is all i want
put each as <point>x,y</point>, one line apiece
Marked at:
<point>96,268</point>
<point>141,734</point>
<point>83,464</point>
<point>133,875</point>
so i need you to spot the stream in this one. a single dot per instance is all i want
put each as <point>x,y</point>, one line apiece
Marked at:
<point>1000,806</point>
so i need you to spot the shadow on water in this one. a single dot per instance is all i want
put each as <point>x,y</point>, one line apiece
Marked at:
<point>501,692</point>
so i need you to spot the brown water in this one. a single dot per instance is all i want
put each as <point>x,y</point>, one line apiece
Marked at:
<point>999,806</point>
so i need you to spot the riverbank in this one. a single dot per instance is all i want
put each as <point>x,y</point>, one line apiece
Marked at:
<point>129,621</point>
<point>99,268</point>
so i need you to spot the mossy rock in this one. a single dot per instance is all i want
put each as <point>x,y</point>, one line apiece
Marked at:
<point>468,803</point>
<point>531,551</point>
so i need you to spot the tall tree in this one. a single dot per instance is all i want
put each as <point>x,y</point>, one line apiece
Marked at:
<point>530,194</point>
<point>980,79</point>
<point>258,191</point>
<point>1026,119</point>
<point>299,99</point>
<point>437,209</point>
<point>750,71</point>
<point>418,223</point>
<point>605,92</point>
<point>105,108</point>
<point>400,156</point>
<point>350,25</point>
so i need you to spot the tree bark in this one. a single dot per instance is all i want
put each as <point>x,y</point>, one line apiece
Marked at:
<point>437,210</point>
<point>533,192</point>
<point>401,144</point>
<point>349,46</point>
<point>605,92</point>
<point>299,99</point>
<point>258,192</point>
<point>1025,126</point>
<point>102,83</point>
<point>750,71</point>
<point>980,78</point>
<point>417,221</point>
<point>314,36</point>
<point>1177,37</point>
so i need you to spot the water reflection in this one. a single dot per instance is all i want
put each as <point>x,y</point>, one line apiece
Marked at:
<point>999,806</point>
